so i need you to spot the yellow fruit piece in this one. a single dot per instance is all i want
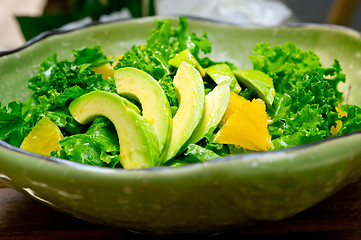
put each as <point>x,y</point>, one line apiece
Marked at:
<point>340,112</point>
<point>43,138</point>
<point>235,101</point>
<point>106,70</point>
<point>116,60</point>
<point>246,126</point>
<point>335,129</point>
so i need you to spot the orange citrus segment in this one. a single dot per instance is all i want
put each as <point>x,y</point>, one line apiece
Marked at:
<point>43,138</point>
<point>247,126</point>
<point>106,70</point>
<point>235,101</point>
<point>116,60</point>
<point>335,129</point>
<point>340,112</point>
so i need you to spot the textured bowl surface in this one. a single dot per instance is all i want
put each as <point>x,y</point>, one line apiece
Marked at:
<point>234,191</point>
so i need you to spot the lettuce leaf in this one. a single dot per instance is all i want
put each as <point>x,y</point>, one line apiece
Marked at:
<point>305,107</point>
<point>351,122</point>
<point>166,83</point>
<point>305,104</point>
<point>93,56</point>
<point>57,79</point>
<point>164,42</point>
<point>98,146</point>
<point>12,129</point>
<point>193,154</point>
<point>286,64</point>
<point>53,88</point>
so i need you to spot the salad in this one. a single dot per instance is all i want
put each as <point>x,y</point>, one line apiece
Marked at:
<point>167,103</point>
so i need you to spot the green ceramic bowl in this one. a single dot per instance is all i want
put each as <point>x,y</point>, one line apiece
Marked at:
<point>233,191</point>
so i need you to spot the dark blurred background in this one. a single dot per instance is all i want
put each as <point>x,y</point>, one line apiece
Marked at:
<point>317,11</point>
<point>21,20</point>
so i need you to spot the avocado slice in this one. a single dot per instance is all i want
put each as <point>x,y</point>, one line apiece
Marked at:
<point>138,142</point>
<point>136,84</point>
<point>223,73</point>
<point>259,81</point>
<point>189,86</point>
<point>186,56</point>
<point>216,103</point>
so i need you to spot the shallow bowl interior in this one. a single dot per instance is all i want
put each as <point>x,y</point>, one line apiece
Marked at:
<point>228,192</point>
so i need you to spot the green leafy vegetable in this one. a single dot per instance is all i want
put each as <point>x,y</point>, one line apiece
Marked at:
<point>351,122</point>
<point>306,108</point>
<point>306,94</point>
<point>99,146</point>
<point>166,82</point>
<point>285,64</point>
<point>164,42</point>
<point>194,154</point>
<point>12,129</point>
<point>93,56</point>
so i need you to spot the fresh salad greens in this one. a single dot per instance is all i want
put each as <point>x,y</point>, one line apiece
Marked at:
<point>287,99</point>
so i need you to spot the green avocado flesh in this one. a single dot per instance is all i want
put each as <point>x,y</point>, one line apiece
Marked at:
<point>223,73</point>
<point>133,83</point>
<point>139,147</point>
<point>165,98</point>
<point>259,81</point>
<point>216,103</point>
<point>189,86</point>
<point>186,56</point>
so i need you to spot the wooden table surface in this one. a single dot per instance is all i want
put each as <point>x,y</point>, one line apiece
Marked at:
<point>338,217</point>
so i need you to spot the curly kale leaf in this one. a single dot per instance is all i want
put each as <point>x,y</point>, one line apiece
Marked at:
<point>305,104</point>
<point>285,64</point>
<point>194,154</point>
<point>54,87</point>
<point>17,120</point>
<point>65,78</point>
<point>166,84</point>
<point>97,146</point>
<point>351,122</point>
<point>164,42</point>
<point>93,56</point>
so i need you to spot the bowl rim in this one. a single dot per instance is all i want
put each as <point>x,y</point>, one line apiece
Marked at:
<point>60,31</point>
<point>233,157</point>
